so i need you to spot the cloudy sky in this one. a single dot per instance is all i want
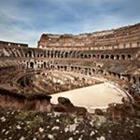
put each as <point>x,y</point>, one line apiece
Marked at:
<point>25,20</point>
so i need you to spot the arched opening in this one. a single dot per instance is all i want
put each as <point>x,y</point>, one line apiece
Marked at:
<point>117,57</point>
<point>41,55</point>
<point>98,56</point>
<point>48,53</point>
<point>123,57</point>
<point>72,68</point>
<point>107,56</point>
<point>52,67</point>
<point>134,80</point>
<point>89,72</point>
<point>102,56</point>
<point>66,54</point>
<point>100,71</point>
<point>44,64</point>
<point>81,55</point>
<point>44,54</point>
<point>29,54</point>
<point>129,56</point>
<point>58,54</point>
<point>89,56</point>
<point>79,68</point>
<point>62,67</point>
<point>55,54</point>
<point>85,56</point>
<point>51,54</point>
<point>112,57</point>
<point>32,65</point>
<point>98,66</point>
<point>65,68</point>
<point>93,70</point>
<point>58,67</point>
<point>119,76</point>
<point>94,56</point>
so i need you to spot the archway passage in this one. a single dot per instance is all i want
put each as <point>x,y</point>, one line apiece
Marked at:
<point>32,65</point>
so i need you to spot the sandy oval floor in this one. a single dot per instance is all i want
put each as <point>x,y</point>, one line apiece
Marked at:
<point>96,96</point>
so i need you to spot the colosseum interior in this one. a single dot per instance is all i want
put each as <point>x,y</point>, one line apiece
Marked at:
<point>94,71</point>
<point>66,62</point>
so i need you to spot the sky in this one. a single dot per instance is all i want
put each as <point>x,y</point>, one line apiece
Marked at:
<point>25,20</point>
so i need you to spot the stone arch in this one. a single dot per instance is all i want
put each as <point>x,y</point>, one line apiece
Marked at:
<point>81,55</point>
<point>62,67</point>
<point>107,56</point>
<point>58,67</point>
<point>65,68</point>
<point>48,53</point>
<point>55,54</point>
<point>90,71</point>
<point>93,70</point>
<point>112,57</point>
<point>79,68</point>
<point>89,56</point>
<point>134,80</point>
<point>41,55</point>
<point>93,56</point>
<point>29,53</point>
<point>32,65</point>
<point>44,64</point>
<point>102,56</point>
<point>58,54</point>
<point>51,54</point>
<point>100,71</point>
<point>38,55</point>
<point>61,54</point>
<point>66,55</point>
<point>123,57</point>
<point>129,56</point>
<point>98,66</point>
<point>44,53</point>
<point>85,56</point>
<point>117,57</point>
<point>97,56</point>
<point>72,68</point>
<point>119,76</point>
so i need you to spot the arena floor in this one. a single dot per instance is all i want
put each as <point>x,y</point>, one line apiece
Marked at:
<point>96,96</point>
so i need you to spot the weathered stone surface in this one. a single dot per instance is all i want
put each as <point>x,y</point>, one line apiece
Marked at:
<point>65,105</point>
<point>99,112</point>
<point>113,55</point>
<point>64,101</point>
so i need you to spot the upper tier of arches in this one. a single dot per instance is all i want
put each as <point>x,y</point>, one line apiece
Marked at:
<point>31,53</point>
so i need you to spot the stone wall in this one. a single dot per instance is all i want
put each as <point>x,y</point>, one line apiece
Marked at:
<point>12,44</point>
<point>117,61</point>
<point>125,37</point>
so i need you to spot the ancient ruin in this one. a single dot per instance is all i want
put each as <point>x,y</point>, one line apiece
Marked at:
<point>112,54</point>
<point>29,76</point>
